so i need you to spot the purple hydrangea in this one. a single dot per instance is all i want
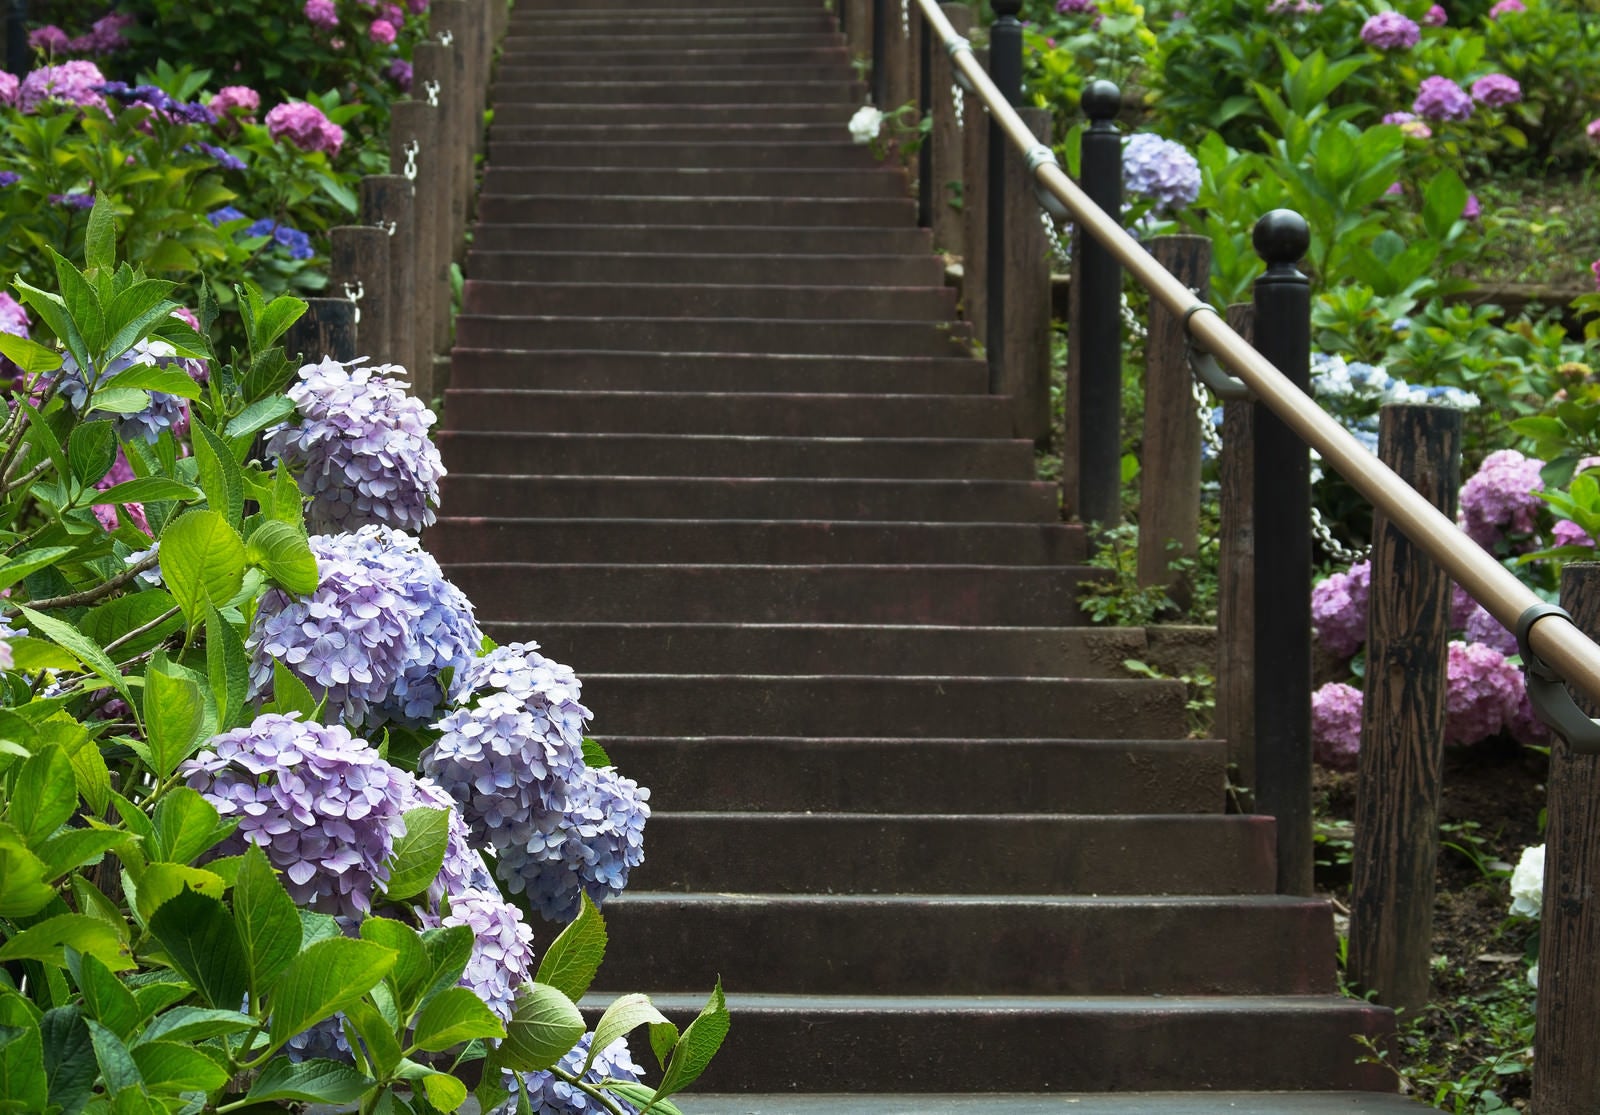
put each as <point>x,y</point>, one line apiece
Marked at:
<point>222,216</point>
<point>399,72</point>
<point>224,158</point>
<point>10,86</point>
<point>1339,610</point>
<point>13,318</point>
<point>104,35</point>
<point>75,83</point>
<point>1075,6</point>
<point>1481,627</point>
<point>239,99</point>
<point>1484,693</point>
<point>1160,170</point>
<point>1390,31</point>
<point>1568,533</point>
<point>1473,209</point>
<point>502,949</point>
<point>1499,498</point>
<point>1496,90</point>
<point>323,805</point>
<point>49,39</point>
<point>163,413</point>
<point>1409,124</point>
<point>1435,17</point>
<point>550,1095</point>
<point>1439,98</point>
<point>292,240</point>
<point>463,868</point>
<point>374,636</point>
<point>305,126</point>
<point>1336,725</point>
<point>321,13</point>
<point>361,447</point>
<point>9,178</point>
<point>1506,7</point>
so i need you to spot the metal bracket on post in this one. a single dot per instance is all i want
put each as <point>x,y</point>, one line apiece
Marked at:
<point>957,46</point>
<point>1205,368</point>
<point>1547,691</point>
<point>1038,155</point>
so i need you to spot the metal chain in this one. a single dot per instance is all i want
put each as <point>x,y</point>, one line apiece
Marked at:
<point>355,293</point>
<point>391,227</point>
<point>432,89</point>
<point>1207,413</point>
<point>412,149</point>
<point>1335,549</point>
<point>1058,247</point>
<point>959,99</point>
<point>905,19</point>
<point>447,37</point>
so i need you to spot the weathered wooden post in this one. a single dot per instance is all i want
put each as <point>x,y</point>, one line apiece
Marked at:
<point>453,28</point>
<point>434,81</point>
<point>1282,490</point>
<point>413,131</point>
<point>1566,1072</point>
<point>975,211</point>
<point>1025,340</point>
<point>1005,70</point>
<point>1402,724</point>
<point>946,142</point>
<point>922,36</point>
<point>1169,492</point>
<point>1236,606</point>
<point>326,329</point>
<point>387,203</point>
<point>360,270</point>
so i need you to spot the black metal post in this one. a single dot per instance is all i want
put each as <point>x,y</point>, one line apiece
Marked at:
<point>19,58</point>
<point>841,9</point>
<point>1100,318</point>
<point>1282,507</point>
<point>880,54</point>
<point>1005,69</point>
<point>924,107</point>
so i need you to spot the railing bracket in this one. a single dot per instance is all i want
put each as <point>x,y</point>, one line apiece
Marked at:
<point>1547,691</point>
<point>1038,155</point>
<point>1205,366</point>
<point>956,46</point>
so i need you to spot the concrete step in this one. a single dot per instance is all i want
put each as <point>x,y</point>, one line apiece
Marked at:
<point>972,853</point>
<point>767,20</point>
<point>920,1044</point>
<point>706,268</point>
<point>851,707</point>
<point>573,113</point>
<point>519,236</point>
<point>897,776</point>
<point>946,775</point>
<point>777,415</point>
<point>620,63</point>
<point>626,92</point>
<point>648,497</point>
<point>690,181</point>
<point>700,300</point>
<point>968,944</point>
<point>706,335</point>
<point>623,11</point>
<point>561,131</point>
<point>1077,1103</point>
<point>598,41</point>
<point>824,65</point>
<point>643,454</point>
<point>834,152</point>
<point>617,209</point>
<point>717,372</point>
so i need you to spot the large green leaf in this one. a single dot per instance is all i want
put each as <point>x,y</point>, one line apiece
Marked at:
<point>643,1096</point>
<point>284,553</point>
<point>203,944</point>
<point>100,238</point>
<point>91,451</point>
<point>118,1070</point>
<point>174,717</point>
<point>289,694</point>
<point>454,1016</point>
<point>202,562</point>
<point>448,950</point>
<point>196,1024</point>
<point>622,1018</point>
<point>148,489</point>
<point>154,377</point>
<point>71,849</point>
<point>87,650</point>
<point>48,941</point>
<point>308,1082</point>
<point>22,877</point>
<point>106,999</point>
<point>69,1060</point>
<point>32,357</point>
<point>418,852</point>
<point>220,477</point>
<point>268,922</point>
<point>228,666</point>
<point>169,1066</point>
<point>323,980</point>
<point>31,561</point>
<point>259,415</point>
<point>43,794</point>
<point>698,1045</point>
<point>185,825</point>
<point>573,958</point>
<point>160,883</point>
<point>444,1092</point>
<point>545,1025</point>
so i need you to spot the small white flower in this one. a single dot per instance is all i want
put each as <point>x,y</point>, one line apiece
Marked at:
<point>1533,977</point>
<point>865,124</point>
<point>1527,883</point>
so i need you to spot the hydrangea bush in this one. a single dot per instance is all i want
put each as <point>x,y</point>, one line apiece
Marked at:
<point>219,861</point>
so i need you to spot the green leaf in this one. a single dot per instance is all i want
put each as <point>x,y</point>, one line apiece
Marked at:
<point>573,958</point>
<point>202,562</point>
<point>274,321</point>
<point>137,312</point>
<point>268,923</point>
<point>100,239</point>
<point>185,825</point>
<point>453,1016</point>
<point>31,561</point>
<point>545,1025</point>
<point>643,1096</point>
<point>105,998</point>
<point>91,451</point>
<point>594,755</point>
<point>82,301</point>
<point>68,1058</point>
<point>444,1091</point>
<point>258,416</point>
<point>117,1067</point>
<point>119,400</point>
<point>155,377</point>
<point>148,489</point>
<point>48,941</point>
<point>193,1024</point>
<point>43,795</point>
<point>698,1045</point>
<point>86,649</point>
<point>377,1034</point>
<point>622,1018</point>
<point>418,853</point>
<point>73,848</point>
<point>324,979</point>
<point>448,950</point>
<point>1443,202</point>
<point>174,717</point>
<point>22,874</point>
<point>228,666</point>
<point>202,943</point>
<point>22,1071</point>
<point>161,883</point>
<point>284,553</point>
<point>32,357</point>
<point>220,477</point>
<point>308,1082</point>
<point>169,1066</point>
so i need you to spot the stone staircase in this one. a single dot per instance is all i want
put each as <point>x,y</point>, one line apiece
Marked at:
<point>715,439</point>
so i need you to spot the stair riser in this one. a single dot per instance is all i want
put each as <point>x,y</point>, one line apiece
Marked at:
<point>555,131</point>
<point>843,500</point>
<point>675,93</point>
<point>664,300</point>
<point>534,9</point>
<point>891,416</point>
<point>666,43</point>
<point>508,236</point>
<point>578,114</point>
<point>742,270</point>
<point>702,335</point>
<point>909,776</point>
<point>735,211</point>
<point>771,21</point>
<point>788,157</point>
<point>715,853</point>
<point>642,371</point>
<point>684,455</point>
<point>803,184</point>
<point>825,66</point>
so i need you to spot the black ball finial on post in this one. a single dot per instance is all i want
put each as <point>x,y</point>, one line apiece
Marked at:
<point>1097,287</point>
<point>1281,239</point>
<point>1101,101</point>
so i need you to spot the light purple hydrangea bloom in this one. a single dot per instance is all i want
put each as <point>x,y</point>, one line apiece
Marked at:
<point>1160,170</point>
<point>13,318</point>
<point>399,72</point>
<point>1293,7</point>
<point>375,635</point>
<point>502,951</point>
<point>1481,627</point>
<point>1484,693</point>
<point>1409,124</point>
<point>1339,610</point>
<point>463,868</point>
<point>1568,533</point>
<point>361,447</point>
<point>75,82</point>
<point>1499,498</point>
<point>49,39</point>
<point>164,412</point>
<point>1496,90</point>
<point>305,126</point>
<point>104,35</point>
<point>549,1095</point>
<point>10,86</point>
<point>323,805</point>
<point>1390,31</point>
<point>1439,98</point>
<point>1336,725</point>
<point>1070,6</point>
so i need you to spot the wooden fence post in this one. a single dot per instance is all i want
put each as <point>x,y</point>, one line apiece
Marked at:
<point>1025,343</point>
<point>1402,723</point>
<point>387,202</point>
<point>361,268</point>
<point>435,62</point>
<point>413,131</point>
<point>1566,1072</point>
<point>858,29</point>
<point>1236,561</point>
<point>975,211</point>
<point>1169,488</point>
<point>946,140</point>
<point>452,20</point>
<point>326,329</point>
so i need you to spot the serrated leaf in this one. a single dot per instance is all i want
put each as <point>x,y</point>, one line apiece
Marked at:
<point>228,666</point>
<point>619,1020</point>
<point>268,923</point>
<point>594,755</point>
<point>105,998</point>
<point>193,1024</point>
<point>258,416</point>
<point>220,477</point>
<point>155,377</point>
<point>570,963</point>
<point>161,883</point>
<point>697,1046</point>
<point>119,400</point>
<point>418,852</point>
<point>22,888</point>
<point>117,1067</point>
<point>43,794</point>
<point>448,950</point>
<point>454,1016</point>
<point>273,321</point>
<point>33,358</point>
<point>69,1062</point>
<point>48,941</point>
<point>100,238</point>
<point>444,1091</point>
<point>284,553</point>
<point>71,849</point>
<point>202,943</point>
<point>202,562</point>
<point>313,1081</point>
<point>289,694</point>
<point>174,717</point>
<point>321,981</point>
<point>185,825</point>
<point>377,1034</point>
<point>643,1096</point>
<point>31,561</point>
<point>169,1066</point>
<point>545,1025</point>
<point>91,451</point>
<point>148,489</point>
<point>87,651</point>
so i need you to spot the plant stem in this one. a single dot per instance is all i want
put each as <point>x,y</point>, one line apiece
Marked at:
<point>26,478</point>
<point>587,1089</point>
<point>90,595</point>
<point>170,613</point>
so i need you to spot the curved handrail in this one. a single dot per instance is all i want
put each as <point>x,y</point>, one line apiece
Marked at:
<point>1561,646</point>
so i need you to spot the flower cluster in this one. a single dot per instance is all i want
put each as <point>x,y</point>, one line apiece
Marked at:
<point>1496,90</point>
<point>103,37</point>
<point>361,447</point>
<point>163,413</point>
<point>1439,98</point>
<point>502,951</point>
<point>295,244</point>
<point>374,636</point>
<point>321,13</point>
<point>1333,377</point>
<point>1339,610</point>
<point>160,101</point>
<point>74,83</point>
<point>1390,31</point>
<point>1160,170</point>
<point>121,472</point>
<point>239,99</point>
<point>550,1095</point>
<point>1336,725</point>
<point>1499,498</point>
<point>1293,7</point>
<point>1484,694</point>
<point>866,124</point>
<point>1066,7</point>
<point>305,126</point>
<point>1481,627</point>
<point>1527,884</point>
<point>323,805</point>
<point>1411,126</point>
<point>1435,17</point>
<point>1506,7</point>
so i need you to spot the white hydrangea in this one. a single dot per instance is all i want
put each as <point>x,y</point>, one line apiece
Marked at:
<point>866,124</point>
<point>1527,883</point>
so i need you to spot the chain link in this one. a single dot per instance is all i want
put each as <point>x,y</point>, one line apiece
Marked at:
<point>412,149</point>
<point>355,293</point>
<point>905,19</point>
<point>447,37</point>
<point>1335,549</point>
<point>1058,247</point>
<point>432,89</point>
<point>391,227</point>
<point>958,98</point>
<point>1206,411</point>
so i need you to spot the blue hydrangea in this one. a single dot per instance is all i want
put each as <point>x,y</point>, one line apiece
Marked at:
<point>292,240</point>
<point>224,158</point>
<point>549,1095</point>
<point>502,950</point>
<point>1160,170</point>
<point>225,214</point>
<point>361,447</point>
<point>324,806</point>
<point>375,635</point>
<point>164,412</point>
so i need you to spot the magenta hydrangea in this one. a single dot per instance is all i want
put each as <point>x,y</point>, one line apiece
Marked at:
<point>1483,694</point>
<point>49,39</point>
<point>1500,500</point>
<point>1568,533</point>
<point>1435,17</point>
<point>321,13</point>
<point>381,32</point>
<point>236,98</point>
<point>1439,98</point>
<point>75,83</point>
<point>1066,7</point>
<point>360,448</point>
<point>1507,7</point>
<point>1336,725</point>
<point>121,472</point>
<point>305,126</point>
<point>1390,31</point>
<point>1496,90</point>
<point>323,805</point>
<point>1339,610</point>
<point>1592,129</point>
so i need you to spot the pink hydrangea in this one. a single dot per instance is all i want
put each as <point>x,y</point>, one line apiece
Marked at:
<point>1339,610</point>
<point>394,14</point>
<point>236,98</point>
<point>321,13</point>
<point>1496,90</point>
<point>1481,627</point>
<point>381,32</point>
<point>1461,606</point>
<point>1506,6</point>
<point>76,82</point>
<point>50,39</point>
<point>120,473</point>
<point>1435,17</point>
<point>305,126</point>
<point>1390,31</point>
<point>1593,130</point>
<point>9,85</point>
<point>1336,725</point>
<point>1483,695</point>
<point>105,35</point>
<point>13,318</point>
<point>1473,209</point>
<point>1499,498</point>
<point>1568,533</point>
<point>417,6</point>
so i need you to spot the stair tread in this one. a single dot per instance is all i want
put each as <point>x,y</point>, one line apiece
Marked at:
<point>1118,1103</point>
